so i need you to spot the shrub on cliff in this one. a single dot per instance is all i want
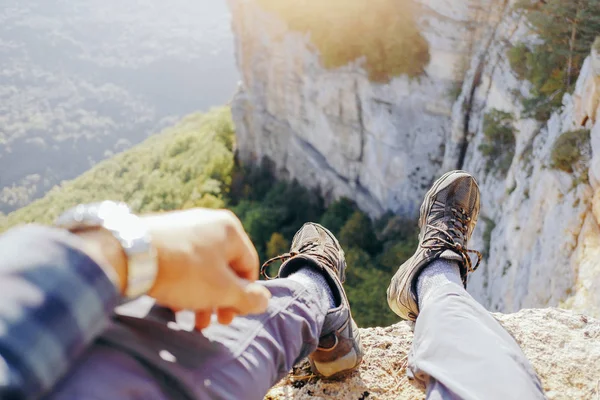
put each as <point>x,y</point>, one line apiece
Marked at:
<point>490,225</point>
<point>384,32</point>
<point>498,146</point>
<point>571,153</point>
<point>518,58</point>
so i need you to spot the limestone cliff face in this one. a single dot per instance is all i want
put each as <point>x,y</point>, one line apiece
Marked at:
<point>383,144</point>
<point>379,144</point>
<point>545,241</point>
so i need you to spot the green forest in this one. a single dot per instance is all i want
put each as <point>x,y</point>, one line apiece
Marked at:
<point>192,165</point>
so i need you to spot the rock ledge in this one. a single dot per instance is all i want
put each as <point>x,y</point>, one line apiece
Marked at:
<point>564,348</point>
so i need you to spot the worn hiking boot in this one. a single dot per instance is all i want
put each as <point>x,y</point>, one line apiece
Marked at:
<point>448,217</point>
<point>339,351</point>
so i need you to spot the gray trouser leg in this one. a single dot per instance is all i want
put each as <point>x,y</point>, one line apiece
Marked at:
<point>461,352</point>
<point>261,350</point>
<point>151,358</point>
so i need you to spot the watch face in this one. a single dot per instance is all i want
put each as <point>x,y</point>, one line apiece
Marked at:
<point>92,215</point>
<point>129,230</point>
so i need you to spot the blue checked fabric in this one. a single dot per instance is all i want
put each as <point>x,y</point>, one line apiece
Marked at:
<point>54,301</point>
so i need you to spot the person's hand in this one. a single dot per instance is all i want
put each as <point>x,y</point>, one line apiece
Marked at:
<point>206,262</point>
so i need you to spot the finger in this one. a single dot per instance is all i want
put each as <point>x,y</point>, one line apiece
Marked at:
<point>202,319</point>
<point>252,298</point>
<point>226,315</point>
<point>243,257</point>
<point>246,265</point>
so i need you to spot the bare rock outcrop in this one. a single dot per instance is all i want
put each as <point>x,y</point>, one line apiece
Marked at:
<point>564,348</point>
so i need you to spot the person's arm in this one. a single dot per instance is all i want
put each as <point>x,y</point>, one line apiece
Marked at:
<point>57,292</point>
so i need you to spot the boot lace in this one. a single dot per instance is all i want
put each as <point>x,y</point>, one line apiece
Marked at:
<point>460,226</point>
<point>306,247</point>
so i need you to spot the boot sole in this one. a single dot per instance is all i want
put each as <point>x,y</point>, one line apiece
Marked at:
<point>355,356</point>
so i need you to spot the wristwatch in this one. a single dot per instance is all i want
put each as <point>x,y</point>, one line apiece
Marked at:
<point>129,230</point>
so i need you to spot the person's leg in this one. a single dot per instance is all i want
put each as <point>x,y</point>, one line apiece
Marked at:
<point>460,351</point>
<point>256,352</point>
<point>105,372</point>
<point>155,358</point>
<point>310,318</point>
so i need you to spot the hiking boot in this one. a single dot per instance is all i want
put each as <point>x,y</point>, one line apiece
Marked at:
<point>448,217</point>
<point>339,351</point>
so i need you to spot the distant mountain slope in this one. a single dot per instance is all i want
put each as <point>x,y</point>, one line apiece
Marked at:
<point>80,81</point>
<point>187,165</point>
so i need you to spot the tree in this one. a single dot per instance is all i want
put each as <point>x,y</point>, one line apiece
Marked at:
<point>396,253</point>
<point>570,149</point>
<point>499,140</point>
<point>568,29</point>
<point>358,232</point>
<point>295,205</point>
<point>260,222</point>
<point>277,245</point>
<point>365,286</point>
<point>337,214</point>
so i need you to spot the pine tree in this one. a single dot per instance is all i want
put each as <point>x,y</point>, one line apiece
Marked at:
<point>277,245</point>
<point>568,29</point>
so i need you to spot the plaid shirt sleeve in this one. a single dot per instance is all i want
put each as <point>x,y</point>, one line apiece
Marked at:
<point>54,301</point>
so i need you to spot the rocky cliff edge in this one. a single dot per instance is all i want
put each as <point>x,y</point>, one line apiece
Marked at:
<point>564,348</point>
